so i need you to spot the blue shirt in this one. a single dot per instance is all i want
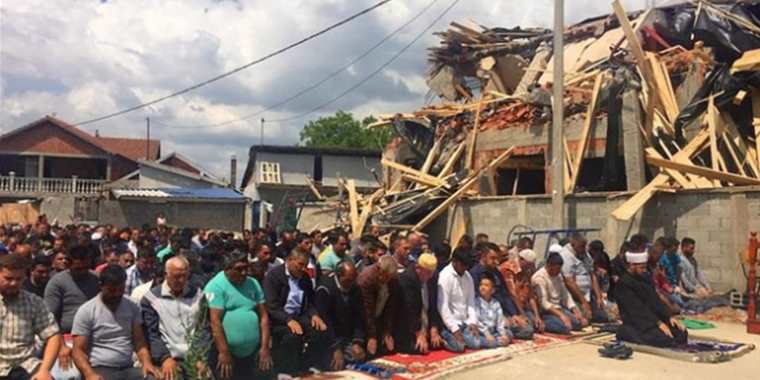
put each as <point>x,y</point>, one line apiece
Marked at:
<point>295,295</point>
<point>670,263</point>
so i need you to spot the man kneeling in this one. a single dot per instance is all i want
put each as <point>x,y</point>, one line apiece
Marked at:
<point>646,320</point>
<point>107,329</point>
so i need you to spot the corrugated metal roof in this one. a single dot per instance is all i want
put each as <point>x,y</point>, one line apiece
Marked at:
<point>180,193</point>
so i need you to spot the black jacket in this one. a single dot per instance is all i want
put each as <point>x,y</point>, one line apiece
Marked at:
<point>640,307</point>
<point>409,322</point>
<point>276,289</point>
<point>341,312</point>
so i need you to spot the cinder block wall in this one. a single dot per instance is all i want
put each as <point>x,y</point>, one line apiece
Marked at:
<point>720,221</point>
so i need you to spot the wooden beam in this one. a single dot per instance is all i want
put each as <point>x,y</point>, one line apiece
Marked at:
<point>412,172</point>
<point>712,127</point>
<point>469,162</point>
<point>430,159</point>
<point>664,87</point>
<point>627,210</point>
<point>449,167</point>
<point>677,176</point>
<point>743,150</point>
<point>704,172</point>
<point>463,188</point>
<point>422,180</point>
<point>353,203</point>
<point>585,132</point>
<point>314,189</point>
<point>364,216</point>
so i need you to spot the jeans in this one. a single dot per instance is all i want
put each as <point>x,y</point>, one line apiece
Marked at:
<point>17,373</point>
<point>471,341</point>
<point>495,343</point>
<point>553,324</point>
<point>295,354</point>
<point>524,333</point>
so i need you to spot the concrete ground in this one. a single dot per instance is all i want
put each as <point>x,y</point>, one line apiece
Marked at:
<point>581,361</point>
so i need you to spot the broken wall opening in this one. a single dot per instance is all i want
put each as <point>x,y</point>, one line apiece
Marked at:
<point>521,181</point>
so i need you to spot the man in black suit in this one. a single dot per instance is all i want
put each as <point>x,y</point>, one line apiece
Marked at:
<point>339,302</point>
<point>416,331</point>
<point>298,332</point>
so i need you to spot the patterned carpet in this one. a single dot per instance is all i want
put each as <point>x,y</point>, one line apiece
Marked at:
<point>441,363</point>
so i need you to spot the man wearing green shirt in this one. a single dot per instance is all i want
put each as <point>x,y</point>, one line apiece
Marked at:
<point>334,253</point>
<point>236,307</point>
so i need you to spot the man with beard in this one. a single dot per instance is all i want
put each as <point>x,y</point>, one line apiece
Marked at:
<point>64,294</point>
<point>646,319</point>
<point>24,318</point>
<point>142,271</point>
<point>38,276</point>
<point>107,329</point>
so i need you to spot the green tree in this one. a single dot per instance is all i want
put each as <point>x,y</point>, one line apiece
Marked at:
<point>343,131</point>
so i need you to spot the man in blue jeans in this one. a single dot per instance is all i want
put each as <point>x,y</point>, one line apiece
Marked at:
<point>558,310</point>
<point>456,304</point>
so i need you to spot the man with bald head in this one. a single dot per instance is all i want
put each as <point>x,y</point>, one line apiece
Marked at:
<point>168,309</point>
<point>339,302</point>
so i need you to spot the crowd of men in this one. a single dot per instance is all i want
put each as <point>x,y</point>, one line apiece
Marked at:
<point>102,303</point>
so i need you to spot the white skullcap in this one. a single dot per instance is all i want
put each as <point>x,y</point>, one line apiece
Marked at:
<point>636,258</point>
<point>96,236</point>
<point>555,248</point>
<point>528,255</point>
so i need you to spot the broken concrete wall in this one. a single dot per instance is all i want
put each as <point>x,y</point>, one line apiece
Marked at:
<point>720,220</point>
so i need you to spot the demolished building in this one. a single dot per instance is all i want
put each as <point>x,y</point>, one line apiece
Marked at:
<point>662,117</point>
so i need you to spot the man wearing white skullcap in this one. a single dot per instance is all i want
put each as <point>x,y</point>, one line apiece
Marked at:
<point>646,320</point>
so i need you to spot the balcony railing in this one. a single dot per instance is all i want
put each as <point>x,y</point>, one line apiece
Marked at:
<point>73,185</point>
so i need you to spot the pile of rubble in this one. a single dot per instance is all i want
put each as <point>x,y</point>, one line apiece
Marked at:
<point>694,67</point>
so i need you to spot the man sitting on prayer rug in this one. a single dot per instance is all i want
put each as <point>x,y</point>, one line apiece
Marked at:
<point>646,320</point>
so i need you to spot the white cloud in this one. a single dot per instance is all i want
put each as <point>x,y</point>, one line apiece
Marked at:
<point>87,58</point>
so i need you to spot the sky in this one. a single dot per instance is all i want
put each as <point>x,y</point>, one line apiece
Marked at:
<point>79,60</point>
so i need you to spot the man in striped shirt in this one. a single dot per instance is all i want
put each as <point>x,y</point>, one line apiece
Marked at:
<point>23,316</point>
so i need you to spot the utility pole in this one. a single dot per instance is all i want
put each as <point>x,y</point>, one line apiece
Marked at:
<point>147,140</point>
<point>261,132</point>
<point>558,134</point>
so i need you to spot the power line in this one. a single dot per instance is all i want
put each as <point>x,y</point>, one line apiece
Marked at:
<point>318,83</point>
<point>238,69</point>
<point>372,74</point>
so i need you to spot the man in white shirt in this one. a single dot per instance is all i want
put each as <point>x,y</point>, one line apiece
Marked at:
<point>456,304</point>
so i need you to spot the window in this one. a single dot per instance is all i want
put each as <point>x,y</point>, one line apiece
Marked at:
<point>270,172</point>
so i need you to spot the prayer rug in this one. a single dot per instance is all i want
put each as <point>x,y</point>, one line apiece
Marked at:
<point>697,350</point>
<point>694,324</point>
<point>441,363</point>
